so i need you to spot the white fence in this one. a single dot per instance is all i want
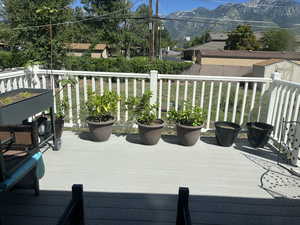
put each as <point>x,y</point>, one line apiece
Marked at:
<point>237,99</point>
<point>284,104</point>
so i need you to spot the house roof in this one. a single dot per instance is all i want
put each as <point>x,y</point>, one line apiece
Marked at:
<point>218,36</point>
<point>269,62</point>
<point>250,54</point>
<point>213,45</point>
<point>221,70</point>
<point>224,36</point>
<point>85,46</point>
<point>297,38</point>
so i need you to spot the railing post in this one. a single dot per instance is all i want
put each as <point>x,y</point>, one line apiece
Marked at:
<point>271,106</point>
<point>153,86</point>
<point>33,77</point>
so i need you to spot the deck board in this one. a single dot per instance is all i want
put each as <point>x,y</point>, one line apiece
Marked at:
<point>128,183</point>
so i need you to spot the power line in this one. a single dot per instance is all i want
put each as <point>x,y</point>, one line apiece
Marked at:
<point>74,21</point>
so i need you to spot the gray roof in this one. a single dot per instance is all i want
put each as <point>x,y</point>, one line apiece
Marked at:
<point>213,45</point>
<point>218,36</point>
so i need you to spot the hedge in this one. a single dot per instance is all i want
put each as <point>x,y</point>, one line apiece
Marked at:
<point>121,64</point>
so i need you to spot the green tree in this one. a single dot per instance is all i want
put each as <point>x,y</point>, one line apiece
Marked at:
<point>242,38</point>
<point>29,28</point>
<point>279,40</point>
<point>109,15</point>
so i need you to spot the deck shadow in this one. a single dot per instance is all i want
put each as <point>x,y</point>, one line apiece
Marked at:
<point>267,152</point>
<point>171,139</point>
<point>209,140</point>
<point>133,138</point>
<point>146,209</point>
<point>85,135</point>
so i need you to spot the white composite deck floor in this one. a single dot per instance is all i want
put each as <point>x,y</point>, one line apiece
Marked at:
<point>129,183</point>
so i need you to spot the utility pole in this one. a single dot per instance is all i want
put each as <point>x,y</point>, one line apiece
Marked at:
<point>151,33</point>
<point>156,30</point>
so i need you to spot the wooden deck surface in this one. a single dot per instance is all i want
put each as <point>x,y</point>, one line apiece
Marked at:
<point>128,183</point>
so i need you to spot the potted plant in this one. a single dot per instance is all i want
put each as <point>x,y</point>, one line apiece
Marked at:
<point>226,132</point>
<point>100,109</point>
<point>149,125</point>
<point>189,122</point>
<point>258,133</point>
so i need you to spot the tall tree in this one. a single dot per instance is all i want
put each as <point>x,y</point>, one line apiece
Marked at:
<point>109,15</point>
<point>279,40</point>
<point>242,38</point>
<point>31,34</point>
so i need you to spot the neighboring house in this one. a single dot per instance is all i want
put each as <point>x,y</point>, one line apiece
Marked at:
<point>242,58</point>
<point>79,49</point>
<point>217,41</point>
<point>289,70</point>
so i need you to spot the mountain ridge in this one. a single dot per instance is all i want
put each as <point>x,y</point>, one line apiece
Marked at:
<point>271,14</point>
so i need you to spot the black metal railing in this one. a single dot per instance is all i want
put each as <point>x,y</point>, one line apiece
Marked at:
<point>183,212</point>
<point>74,213</point>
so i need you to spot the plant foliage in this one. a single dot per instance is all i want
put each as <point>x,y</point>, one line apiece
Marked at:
<point>101,108</point>
<point>142,110</point>
<point>190,116</point>
<point>279,40</point>
<point>242,38</point>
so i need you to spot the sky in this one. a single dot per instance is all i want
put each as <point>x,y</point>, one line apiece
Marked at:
<point>169,6</point>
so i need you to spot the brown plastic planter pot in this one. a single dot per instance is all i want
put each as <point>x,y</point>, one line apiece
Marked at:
<point>258,133</point>
<point>101,131</point>
<point>188,135</point>
<point>226,132</point>
<point>150,134</point>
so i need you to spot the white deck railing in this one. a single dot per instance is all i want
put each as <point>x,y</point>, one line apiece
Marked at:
<point>237,99</point>
<point>10,80</point>
<point>284,104</point>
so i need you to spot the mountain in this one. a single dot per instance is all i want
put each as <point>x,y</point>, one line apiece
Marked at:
<point>261,14</point>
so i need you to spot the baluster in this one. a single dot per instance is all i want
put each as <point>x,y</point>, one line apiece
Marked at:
<point>280,106</point>
<point>169,95</point>
<point>119,103</point>
<point>194,93</point>
<point>186,86</point>
<point>209,104</point>
<point>202,94</point>
<point>85,89</point>
<point>70,104</point>
<point>160,98</point>
<point>143,86</point>
<point>177,94</point>
<point>93,84</point>
<point>126,97</point>
<point>252,101</point>
<point>78,101</point>
<point>109,84</point>
<point>101,86</point>
<point>219,101</point>
<point>296,112</point>
<point>134,87</point>
<point>244,103</point>
<point>227,100</point>
<point>263,89</point>
<point>236,98</point>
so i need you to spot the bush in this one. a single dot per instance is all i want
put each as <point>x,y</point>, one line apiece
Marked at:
<point>10,60</point>
<point>5,60</point>
<point>121,64</point>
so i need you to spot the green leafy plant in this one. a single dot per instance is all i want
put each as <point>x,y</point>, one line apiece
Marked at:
<point>62,105</point>
<point>100,108</point>
<point>190,116</point>
<point>142,110</point>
